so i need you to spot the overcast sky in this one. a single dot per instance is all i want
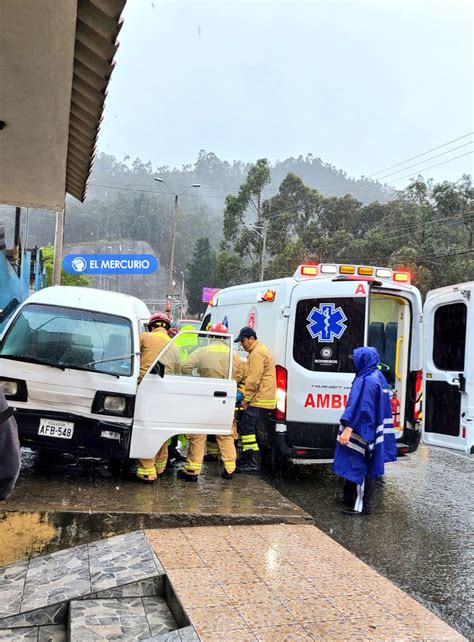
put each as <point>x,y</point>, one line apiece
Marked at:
<point>363,84</point>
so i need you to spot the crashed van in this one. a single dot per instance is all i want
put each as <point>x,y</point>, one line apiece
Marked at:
<point>69,365</point>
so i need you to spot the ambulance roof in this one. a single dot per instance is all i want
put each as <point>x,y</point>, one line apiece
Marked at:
<point>91,299</point>
<point>468,285</point>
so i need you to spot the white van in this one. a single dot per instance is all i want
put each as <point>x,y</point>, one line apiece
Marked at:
<point>448,374</point>
<point>69,363</point>
<point>311,322</point>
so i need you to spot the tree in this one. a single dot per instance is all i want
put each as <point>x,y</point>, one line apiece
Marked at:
<point>66,279</point>
<point>202,268</point>
<point>247,207</point>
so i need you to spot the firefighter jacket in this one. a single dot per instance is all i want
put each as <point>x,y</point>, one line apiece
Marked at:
<point>260,378</point>
<point>10,454</point>
<point>213,361</point>
<point>368,413</point>
<point>151,344</point>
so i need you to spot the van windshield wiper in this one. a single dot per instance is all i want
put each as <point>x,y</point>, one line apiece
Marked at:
<point>93,363</point>
<point>32,360</point>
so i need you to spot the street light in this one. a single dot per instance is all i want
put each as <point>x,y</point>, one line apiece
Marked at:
<point>169,295</point>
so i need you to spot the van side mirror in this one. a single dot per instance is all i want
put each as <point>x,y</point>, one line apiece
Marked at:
<point>159,369</point>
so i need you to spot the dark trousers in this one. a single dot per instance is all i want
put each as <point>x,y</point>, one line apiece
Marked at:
<point>248,422</point>
<point>358,497</point>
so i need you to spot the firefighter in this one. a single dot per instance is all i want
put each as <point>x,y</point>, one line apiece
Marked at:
<point>366,438</point>
<point>259,398</point>
<point>151,344</point>
<point>211,361</point>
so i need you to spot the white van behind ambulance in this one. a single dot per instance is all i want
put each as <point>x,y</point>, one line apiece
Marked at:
<point>448,382</point>
<point>69,364</point>
<point>311,322</point>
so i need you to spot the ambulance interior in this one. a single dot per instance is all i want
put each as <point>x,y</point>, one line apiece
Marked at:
<point>389,333</point>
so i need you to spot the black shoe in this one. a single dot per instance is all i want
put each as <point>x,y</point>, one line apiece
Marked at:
<point>174,455</point>
<point>226,475</point>
<point>351,511</point>
<point>186,476</point>
<point>248,463</point>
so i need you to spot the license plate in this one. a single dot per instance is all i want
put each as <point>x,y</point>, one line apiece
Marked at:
<point>55,428</point>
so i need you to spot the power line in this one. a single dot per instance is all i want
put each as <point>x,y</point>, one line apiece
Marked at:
<point>382,178</point>
<point>382,171</point>
<point>423,169</point>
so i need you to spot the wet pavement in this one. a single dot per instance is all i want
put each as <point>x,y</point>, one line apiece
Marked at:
<point>420,532</point>
<point>61,502</point>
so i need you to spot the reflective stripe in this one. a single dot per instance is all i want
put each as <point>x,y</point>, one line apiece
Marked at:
<point>358,438</point>
<point>214,347</point>
<point>379,429</point>
<point>390,431</point>
<point>246,439</point>
<point>189,465</point>
<point>250,447</point>
<point>230,466</point>
<point>356,447</point>
<point>145,471</point>
<point>359,502</point>
<point>379,440</point>
<point>160,464</point>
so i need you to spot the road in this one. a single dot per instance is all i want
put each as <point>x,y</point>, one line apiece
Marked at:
<point>420,532</point>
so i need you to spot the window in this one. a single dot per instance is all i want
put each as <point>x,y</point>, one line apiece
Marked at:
<point>70,338</point>
<point>449,337</point>
<point>327,331</point>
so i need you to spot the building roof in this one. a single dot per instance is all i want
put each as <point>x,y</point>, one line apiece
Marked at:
<point>57,59</point>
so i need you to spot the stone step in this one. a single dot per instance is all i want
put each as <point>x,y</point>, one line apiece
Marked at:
<point>37,592</point>
<point>124,618</point>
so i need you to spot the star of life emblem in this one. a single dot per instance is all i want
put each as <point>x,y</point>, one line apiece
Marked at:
<point>326,322</point>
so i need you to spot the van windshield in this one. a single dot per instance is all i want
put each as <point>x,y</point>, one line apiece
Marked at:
<point>70,338</point>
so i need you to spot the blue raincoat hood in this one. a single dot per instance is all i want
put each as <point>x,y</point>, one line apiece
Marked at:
<point>365,360</point>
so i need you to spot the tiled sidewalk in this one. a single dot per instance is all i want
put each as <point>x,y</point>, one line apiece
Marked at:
<point>294,583</point>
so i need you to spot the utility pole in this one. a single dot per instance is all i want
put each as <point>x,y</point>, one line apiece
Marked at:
<point>264,250</point>
<point>169,294</point>
<point>58,247</point>
<point>16,238</point>
<point>170,289</point>
<point>182,296</point>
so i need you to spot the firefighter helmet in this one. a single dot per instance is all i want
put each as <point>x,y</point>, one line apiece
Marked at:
<point>159,319</point>
<point>219,327</point>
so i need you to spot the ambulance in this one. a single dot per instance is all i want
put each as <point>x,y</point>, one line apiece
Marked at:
<point>311,322</point>
<point>448,374</point>
<point>69,366</point>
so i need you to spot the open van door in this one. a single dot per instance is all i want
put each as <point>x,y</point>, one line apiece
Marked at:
<point>448,373</point>
<point>170,403</point>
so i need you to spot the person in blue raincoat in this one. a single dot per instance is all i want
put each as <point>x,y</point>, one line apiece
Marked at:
<point>366,438</point>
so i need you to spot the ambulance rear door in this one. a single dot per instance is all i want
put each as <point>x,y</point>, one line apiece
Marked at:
<point>171,403</point>
<point>328,320</point>
<point>448,374</point>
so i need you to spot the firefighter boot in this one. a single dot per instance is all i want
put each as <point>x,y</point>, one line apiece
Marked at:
<point>248,463</point>
<point>189,477</point>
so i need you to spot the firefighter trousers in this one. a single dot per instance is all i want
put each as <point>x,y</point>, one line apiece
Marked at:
<point>248,423</point>
<point>151,468</point>
<point>197,448</point>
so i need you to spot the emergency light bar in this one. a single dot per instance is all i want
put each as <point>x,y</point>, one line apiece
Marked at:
<point>326,269</point>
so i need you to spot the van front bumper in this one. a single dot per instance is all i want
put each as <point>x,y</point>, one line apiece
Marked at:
<point>91,437</point>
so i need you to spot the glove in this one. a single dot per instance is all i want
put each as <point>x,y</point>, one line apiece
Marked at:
<point>240,397</point>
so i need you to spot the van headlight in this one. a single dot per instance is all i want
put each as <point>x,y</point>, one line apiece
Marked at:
<point>10,388</point>
<point>114,404</point>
